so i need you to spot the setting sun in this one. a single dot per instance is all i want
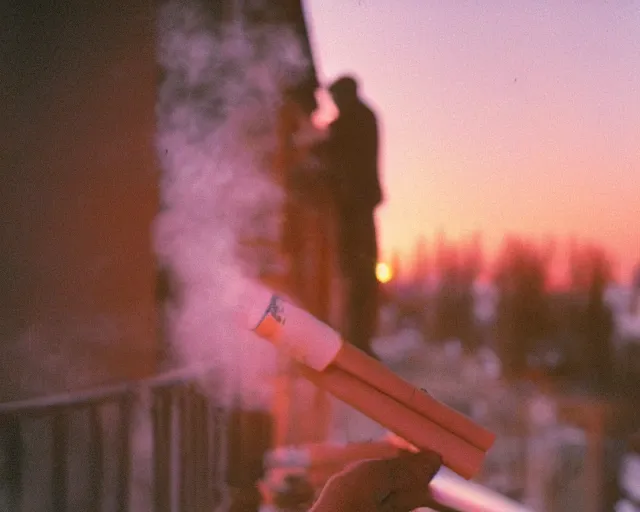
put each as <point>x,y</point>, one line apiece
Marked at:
<point>383,272</point>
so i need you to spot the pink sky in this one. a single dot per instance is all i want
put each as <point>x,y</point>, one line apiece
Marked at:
<point>502,117</point>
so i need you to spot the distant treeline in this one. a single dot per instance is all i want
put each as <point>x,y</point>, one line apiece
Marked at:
<point>534,327</point>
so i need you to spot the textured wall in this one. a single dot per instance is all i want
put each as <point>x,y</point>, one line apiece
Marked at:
<point>78,183</point>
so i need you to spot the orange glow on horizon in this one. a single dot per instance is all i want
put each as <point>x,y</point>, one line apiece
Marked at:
<point>497,120</point>
<point>384,273</point>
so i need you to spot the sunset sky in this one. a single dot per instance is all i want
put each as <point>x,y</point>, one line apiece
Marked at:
<point>498,116</point>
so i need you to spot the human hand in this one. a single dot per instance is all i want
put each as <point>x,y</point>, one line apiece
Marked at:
<point>399,484</point>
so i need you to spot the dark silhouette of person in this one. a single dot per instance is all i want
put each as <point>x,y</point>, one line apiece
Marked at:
<point>353,147</point>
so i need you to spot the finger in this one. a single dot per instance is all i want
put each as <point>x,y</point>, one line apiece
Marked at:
<point>400,483</point>
<point>406,502</point>
<point>336,495</point>
<point>364,483</point>
<point>409,476</point>
<point>411,468</point>
<point>424,464</point>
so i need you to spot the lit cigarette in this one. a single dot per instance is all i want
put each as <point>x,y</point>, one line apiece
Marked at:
<point>298,333</point>
<point>370,387</point>
<point>458,455</point>
<point>377,375</point>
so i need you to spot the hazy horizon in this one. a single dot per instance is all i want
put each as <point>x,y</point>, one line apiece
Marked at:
<point>497,118</point>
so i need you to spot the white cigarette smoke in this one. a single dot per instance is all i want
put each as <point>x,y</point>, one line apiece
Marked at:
<point>217,111</point>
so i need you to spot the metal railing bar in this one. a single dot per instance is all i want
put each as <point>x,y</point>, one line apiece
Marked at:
<point>182,376</point>
<point>186,480</point>
<point>213,440</point>
<point>193,441</point>
<point>199,462</point>
<point>48,405</point>
<point>13,449</point>
<point>77,399</point>
<point>97,457</point>
<point>161,450</point>
<point>124,452</point>
<point>60,437</point>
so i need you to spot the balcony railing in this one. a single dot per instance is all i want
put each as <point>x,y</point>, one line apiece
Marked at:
<point>161,444</point>
<point>77,452</point>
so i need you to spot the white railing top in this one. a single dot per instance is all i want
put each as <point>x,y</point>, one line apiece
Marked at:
<point>78,398</point>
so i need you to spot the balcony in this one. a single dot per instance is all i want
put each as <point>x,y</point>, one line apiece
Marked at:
<point>162,445</point>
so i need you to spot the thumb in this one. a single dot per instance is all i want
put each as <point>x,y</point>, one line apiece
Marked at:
<point>423,465</point>
<point>411,474</point>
